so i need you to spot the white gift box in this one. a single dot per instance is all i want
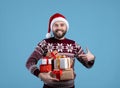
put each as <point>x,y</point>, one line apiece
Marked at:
<point>64,63</point>
<point>44,61</point>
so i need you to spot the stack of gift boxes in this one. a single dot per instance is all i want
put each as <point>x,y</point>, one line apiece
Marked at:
<point>60,66</point>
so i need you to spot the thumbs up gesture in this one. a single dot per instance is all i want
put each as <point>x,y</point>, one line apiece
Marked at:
<point>88,56</point>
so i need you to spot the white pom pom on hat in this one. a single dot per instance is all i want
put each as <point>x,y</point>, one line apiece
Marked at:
<point>54,18</point>
<point>48,35</point>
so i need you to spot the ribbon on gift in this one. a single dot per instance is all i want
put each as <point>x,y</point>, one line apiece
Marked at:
<point>58,73</point>
<point>58,62</point>
<point>56,57</point>
<point>53,54</point>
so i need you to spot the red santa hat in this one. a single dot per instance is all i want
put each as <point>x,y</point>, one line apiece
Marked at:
<point>54,18</point>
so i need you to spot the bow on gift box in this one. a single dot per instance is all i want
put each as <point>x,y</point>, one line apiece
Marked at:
<point>54,54</point>
<point>58,73</point>
<point>57,62</point>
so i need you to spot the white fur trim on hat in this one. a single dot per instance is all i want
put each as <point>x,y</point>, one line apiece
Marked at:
<point>59,19</point>
<point>48,35</point>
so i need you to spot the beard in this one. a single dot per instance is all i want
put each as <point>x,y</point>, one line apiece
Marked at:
<point>59,33</point>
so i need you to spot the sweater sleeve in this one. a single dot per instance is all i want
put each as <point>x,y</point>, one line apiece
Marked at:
<point>79,51</point>
<point>32,61</point>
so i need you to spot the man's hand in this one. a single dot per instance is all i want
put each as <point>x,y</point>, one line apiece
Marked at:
<point>46,77</point>
<point>88,56</point>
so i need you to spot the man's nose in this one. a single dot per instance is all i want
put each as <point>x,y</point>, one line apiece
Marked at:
<point>59,26</point>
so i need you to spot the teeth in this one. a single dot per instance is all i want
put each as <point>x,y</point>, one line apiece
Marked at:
<point>60,31</point>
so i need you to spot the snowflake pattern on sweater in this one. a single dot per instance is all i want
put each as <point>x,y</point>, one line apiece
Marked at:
<point>64,47</point>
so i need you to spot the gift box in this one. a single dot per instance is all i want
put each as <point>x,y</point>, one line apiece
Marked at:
<point>67,75</point>
<point>46,65</point>
<point>46,61</point>
<point>52,55</point>
<point>45,68</point>
<point>63,74</point>
<point>62,63</point>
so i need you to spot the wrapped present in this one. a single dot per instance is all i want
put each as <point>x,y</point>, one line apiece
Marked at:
<point>63,74</point>
<point>46,61</point>
<point>67,74</point>
<point>46,65</point>
<point>62,63</point>
<point>45,68</point>
<point>52,55</point>
<point>48,54</point>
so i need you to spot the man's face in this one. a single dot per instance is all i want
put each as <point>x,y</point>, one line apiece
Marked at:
<point>59,29</point>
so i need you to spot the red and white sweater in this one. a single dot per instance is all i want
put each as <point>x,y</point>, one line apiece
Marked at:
<point>64,47</point>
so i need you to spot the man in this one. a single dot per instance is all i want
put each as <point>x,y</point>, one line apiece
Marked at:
<point>59,26</point>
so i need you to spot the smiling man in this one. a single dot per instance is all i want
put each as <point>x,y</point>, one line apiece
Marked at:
<point>59,30</point>
<point>69,48</point>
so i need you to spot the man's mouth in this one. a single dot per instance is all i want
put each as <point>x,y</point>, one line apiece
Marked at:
<point>59,33</point>
<point>58,30</point>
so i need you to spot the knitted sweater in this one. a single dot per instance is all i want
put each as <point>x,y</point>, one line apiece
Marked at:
<point>64,47</point>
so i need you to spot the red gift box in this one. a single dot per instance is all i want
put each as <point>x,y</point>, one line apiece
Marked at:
<point>46,65</point>
<point>45,68</point>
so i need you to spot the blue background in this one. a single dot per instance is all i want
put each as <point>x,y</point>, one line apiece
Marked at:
<point>93,23</point>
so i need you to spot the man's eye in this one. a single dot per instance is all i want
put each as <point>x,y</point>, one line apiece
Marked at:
<point>62,25</point>
<point>56,25</point>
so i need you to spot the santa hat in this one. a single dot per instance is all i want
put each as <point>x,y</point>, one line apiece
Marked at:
<point>54,18</point>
